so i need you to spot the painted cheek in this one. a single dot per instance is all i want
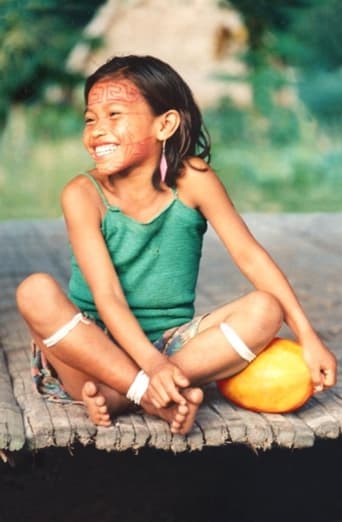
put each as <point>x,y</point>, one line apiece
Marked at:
<point>86,139</point>
<point>126,155</point>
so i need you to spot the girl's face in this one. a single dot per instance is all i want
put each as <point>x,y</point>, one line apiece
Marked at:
<point>120,128</point>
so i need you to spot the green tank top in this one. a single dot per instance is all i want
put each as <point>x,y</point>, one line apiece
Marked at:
<point>157,264</point>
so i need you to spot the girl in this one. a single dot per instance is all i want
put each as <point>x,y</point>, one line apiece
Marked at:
<point>126,332</point>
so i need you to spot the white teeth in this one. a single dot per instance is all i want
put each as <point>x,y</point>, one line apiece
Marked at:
<point>102,150</point>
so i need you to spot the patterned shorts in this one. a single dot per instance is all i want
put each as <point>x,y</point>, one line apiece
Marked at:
<point>48,385</point>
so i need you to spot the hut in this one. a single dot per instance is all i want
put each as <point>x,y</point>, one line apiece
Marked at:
<point>199,38</point>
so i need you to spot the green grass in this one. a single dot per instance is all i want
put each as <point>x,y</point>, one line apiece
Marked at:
<point>294,178</point>
<point>33,171</point>
<point>304,174</point>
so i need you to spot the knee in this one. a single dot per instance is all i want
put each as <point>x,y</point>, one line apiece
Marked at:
<point>34,293</point>
<point>266,310</point>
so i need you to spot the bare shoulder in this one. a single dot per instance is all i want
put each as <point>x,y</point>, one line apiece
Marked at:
<point>197,182</point>
<point>77,187</point>
<point>80,197</point>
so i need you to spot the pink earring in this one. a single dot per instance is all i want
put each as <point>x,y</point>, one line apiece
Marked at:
<point>163,164</point>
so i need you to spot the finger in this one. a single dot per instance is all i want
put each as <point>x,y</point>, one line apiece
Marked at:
<point>176,396</point>
<point>163,395</point>
<point>158,396</point>
<point>317,380</point>
<point>329,378</point>
<point>152,398</point>
<point>168,392</point>
<point>156,404</point>
<point>180,379</point>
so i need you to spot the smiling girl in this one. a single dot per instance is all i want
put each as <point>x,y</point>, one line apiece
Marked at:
<point>126,332</point>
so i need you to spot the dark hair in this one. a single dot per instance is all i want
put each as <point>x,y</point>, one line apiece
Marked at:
<point>163,89</point>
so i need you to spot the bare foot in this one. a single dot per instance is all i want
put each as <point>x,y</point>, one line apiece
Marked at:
<point>180,416</point>
<point>96,404</point>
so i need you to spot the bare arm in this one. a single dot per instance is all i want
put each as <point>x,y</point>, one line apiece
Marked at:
<point>209,195</point>
<point>82,212</point>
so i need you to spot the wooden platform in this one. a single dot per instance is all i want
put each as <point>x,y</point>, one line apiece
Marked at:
<point>308,247</point>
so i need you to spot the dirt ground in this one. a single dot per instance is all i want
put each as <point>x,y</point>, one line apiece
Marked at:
<point>228,484</point>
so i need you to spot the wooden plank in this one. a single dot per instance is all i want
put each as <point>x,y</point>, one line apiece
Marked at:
<point>229,416</point>
<point>42,245</point>
<point>179,443</point>
<point>258,430</point>
<point>208,430</point>
<point>304,435</point>
<point>332,403</point>
<point>118,437</point>
<point>12,436</point>
<point>83,430</point>
<point>160,434</point>
<point>322,423</point>
<point>283,430</point>
<point>141,432</point>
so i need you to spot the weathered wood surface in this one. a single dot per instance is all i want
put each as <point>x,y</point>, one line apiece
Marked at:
<point>308,247</point>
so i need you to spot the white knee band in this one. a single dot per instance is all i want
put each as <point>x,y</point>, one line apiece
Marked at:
<point>64,330</point>
<point>236,342</point>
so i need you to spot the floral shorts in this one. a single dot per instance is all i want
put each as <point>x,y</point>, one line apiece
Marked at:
<point>48,385</point>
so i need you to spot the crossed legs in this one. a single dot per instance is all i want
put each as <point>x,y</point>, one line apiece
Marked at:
<point>95,370</point>
<point>90,366</point>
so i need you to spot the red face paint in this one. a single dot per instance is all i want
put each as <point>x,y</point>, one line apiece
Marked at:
<point>121,91</point>
<point>120,127</point>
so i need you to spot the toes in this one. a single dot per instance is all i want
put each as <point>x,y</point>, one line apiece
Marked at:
<point>102,419</point>
<point>95,404</point>
<point>183,409</point>
<point>194,395</point>
<point>90,389</point>
<point>179,418</point>
<point>100,401</point>
<point>104,422</point>
<point>175,427</point>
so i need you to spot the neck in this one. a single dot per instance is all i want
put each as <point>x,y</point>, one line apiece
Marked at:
<point>131,188</point>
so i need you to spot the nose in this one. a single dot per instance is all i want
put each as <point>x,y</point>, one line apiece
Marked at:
<point>99,128</point>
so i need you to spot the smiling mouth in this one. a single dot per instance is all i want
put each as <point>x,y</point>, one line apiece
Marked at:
<point>104,150</point>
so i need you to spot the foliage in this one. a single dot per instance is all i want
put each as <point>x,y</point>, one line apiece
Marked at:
<point>270,156</point>
<point>320,61</point>
<point>283,163</point>
<point>263,16</point>
<point>305,34</point>
<point>301,175</point>
<point>35,39</point>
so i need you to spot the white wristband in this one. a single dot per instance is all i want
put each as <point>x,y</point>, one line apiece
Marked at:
<point>138,387</point>
<point>236,342</point>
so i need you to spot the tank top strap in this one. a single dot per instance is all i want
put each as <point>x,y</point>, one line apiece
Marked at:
<point>174,192</point>
<point>98,189</point>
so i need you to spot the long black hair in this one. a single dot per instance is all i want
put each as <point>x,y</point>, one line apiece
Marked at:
<point>163,89</point>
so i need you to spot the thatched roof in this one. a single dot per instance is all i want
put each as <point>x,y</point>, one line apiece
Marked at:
<point>198,38</point>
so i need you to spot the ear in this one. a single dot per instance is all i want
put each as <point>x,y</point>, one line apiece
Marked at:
<point>168,123</point>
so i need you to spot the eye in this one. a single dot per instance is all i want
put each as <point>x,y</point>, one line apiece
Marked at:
<point>88,120</point>
<point>114,114</point>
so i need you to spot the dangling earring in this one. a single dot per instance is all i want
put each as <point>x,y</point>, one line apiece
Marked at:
<point>163,163</point>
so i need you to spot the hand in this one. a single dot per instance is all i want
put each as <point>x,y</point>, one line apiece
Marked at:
<point>165,380</point>
<point>321,362</point>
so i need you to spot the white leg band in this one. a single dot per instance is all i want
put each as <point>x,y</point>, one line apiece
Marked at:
<point>64,330</point>
<point>138,387</point>
<point>236,342</point>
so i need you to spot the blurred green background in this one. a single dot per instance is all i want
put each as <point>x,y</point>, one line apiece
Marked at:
<point>272,157</point>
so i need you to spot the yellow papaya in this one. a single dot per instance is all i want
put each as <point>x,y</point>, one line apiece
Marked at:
<point>276,381</point>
